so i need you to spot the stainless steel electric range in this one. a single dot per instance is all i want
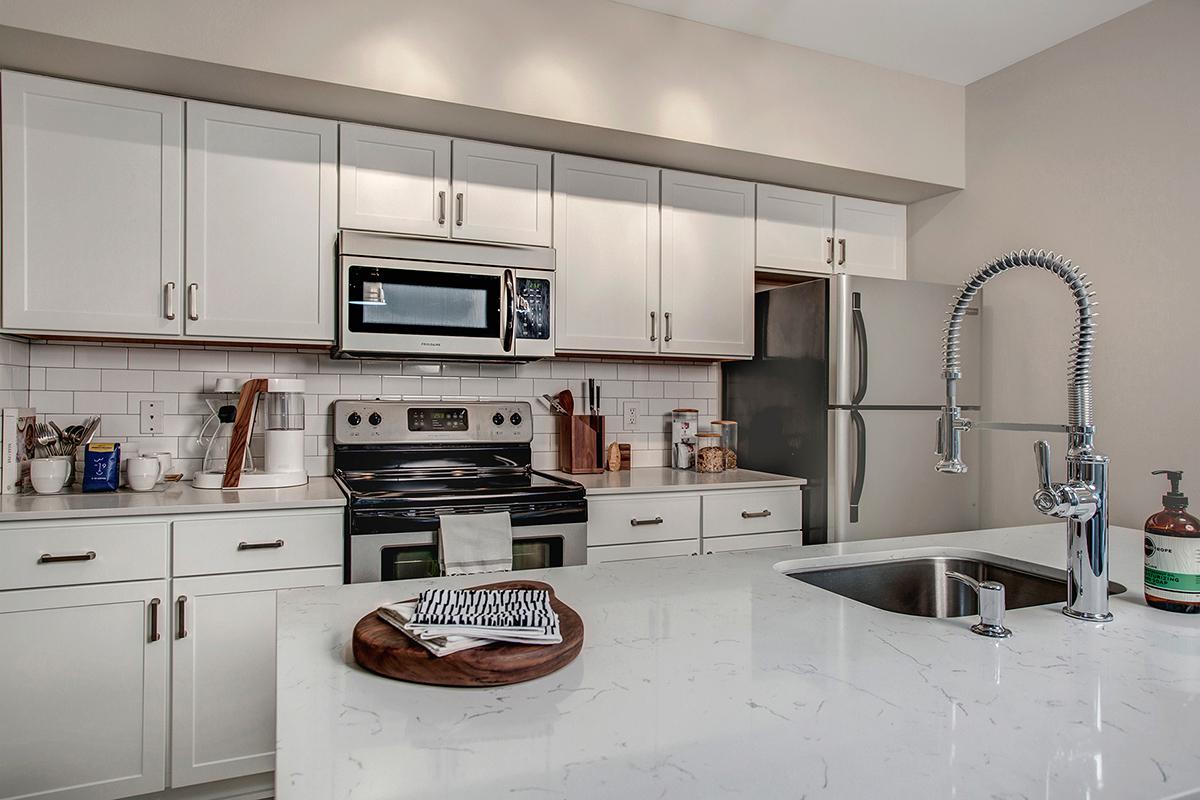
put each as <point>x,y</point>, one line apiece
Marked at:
<point>403,465</point>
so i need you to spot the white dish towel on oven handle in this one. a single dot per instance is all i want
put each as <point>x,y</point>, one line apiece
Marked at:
<point>471,544</point>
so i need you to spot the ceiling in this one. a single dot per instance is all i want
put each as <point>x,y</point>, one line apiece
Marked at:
<point>959,41</point>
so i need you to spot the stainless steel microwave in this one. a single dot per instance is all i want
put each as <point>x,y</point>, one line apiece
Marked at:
<point>421,298</point>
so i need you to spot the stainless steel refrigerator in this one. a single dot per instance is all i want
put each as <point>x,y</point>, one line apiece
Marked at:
<point>844,390</point>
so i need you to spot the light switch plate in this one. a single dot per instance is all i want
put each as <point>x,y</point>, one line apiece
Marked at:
<point>632,410</point>
<point>151,413</point>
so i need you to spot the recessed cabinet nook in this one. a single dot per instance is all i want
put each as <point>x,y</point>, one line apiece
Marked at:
<point>135,215</point>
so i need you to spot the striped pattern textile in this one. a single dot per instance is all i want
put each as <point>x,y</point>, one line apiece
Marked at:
<point>487,608</point>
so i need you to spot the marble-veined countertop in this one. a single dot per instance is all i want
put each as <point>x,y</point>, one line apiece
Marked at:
<point>665,479</point>
<point>718,676</point>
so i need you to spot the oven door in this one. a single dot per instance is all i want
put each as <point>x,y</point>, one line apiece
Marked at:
<point>401,556</point>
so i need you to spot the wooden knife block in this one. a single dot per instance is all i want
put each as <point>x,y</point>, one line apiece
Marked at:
<point>581,443</point>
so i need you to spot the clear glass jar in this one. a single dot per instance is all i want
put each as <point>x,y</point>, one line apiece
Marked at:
<point>728,430</point>
<point>685,422</point>
<point>710,457</point>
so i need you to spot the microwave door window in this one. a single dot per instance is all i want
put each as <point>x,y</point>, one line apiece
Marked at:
<point>424,303</point>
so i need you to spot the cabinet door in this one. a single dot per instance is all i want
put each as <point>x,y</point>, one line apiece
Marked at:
<point>707,265</point>
<point>84,701</point>
<point>223,672</point>
<point>638,552</point>
<point>501,193</point>
<point>606,241</point>
<point>872,238</point>
<point>92,207</point>
<point>752,541</point>
<point>394,181</point>
<point>793,230</point>
<point>261,223</point>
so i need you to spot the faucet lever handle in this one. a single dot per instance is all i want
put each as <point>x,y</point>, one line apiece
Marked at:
<point>1041,462</point>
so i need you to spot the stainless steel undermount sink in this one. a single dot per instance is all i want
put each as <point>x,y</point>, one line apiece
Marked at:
<point>919,587</point>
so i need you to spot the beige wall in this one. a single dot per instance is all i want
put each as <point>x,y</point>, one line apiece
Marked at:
<point>1091,148</point>
<point>590,62</point>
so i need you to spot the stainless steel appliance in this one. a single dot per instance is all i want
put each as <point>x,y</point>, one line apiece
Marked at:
<point>405,464</point>
<point>844,390</point>
<point>431,299</point>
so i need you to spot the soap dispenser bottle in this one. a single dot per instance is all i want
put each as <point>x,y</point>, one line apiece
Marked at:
<point>1173,553</point>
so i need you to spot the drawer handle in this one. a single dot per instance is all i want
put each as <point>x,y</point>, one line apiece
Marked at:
<point>181,617</point>
<point>154,604</point>
<point>756,514</point>
<point>260,545</point>
<point>656,521</point>
<point>46,558</point>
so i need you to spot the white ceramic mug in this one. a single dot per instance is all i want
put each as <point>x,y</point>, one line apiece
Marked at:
<point>165,461</point>
<point>49,475</point>
<point>142,473</point>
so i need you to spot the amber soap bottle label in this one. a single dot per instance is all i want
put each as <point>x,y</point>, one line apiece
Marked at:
<point>1173,568</point>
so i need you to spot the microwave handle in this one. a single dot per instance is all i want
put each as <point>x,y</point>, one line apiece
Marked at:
<point>508,308</point>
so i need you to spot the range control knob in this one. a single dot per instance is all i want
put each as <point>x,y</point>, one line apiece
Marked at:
<point>497,418</point>
<point>374,419</point>
<point>515,419</point>
<point>354,418</point>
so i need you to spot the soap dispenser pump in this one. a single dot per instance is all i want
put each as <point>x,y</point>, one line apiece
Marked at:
<point>1173,552</point>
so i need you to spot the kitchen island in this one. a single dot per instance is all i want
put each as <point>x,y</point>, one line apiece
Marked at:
<point>722,677</point>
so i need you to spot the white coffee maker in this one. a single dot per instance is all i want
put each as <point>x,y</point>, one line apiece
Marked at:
<point>283,442</point>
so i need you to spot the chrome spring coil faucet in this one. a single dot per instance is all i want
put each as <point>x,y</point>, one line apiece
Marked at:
<point>1083,498</point>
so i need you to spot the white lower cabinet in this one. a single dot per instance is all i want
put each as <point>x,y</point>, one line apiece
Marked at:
<point>636,552</point>
<point>83,691</point>
<point>752,541</point>
<point>223,671</point>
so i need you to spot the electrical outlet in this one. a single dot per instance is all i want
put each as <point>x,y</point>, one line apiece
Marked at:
<point>632,411</point>
<point>151,412</point>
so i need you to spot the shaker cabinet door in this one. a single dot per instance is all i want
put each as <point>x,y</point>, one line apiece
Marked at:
<point>501,193</point>
<point>872,238</point>
<point>606,241</point>
<point>92,207</point>
<point>84,698</point>
<point>223,671</point>
<point>261,224</point>
<point>707,266</point>
<point>394,181</point>
<point>793,230</point>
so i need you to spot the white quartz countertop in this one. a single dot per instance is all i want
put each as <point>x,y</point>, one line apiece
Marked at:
<point>178,498</point>
<point>665,479</point>
<point>718,676</point>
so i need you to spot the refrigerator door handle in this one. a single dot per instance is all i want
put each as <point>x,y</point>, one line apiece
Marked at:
<point>860,336</point>
<point>860,462</point>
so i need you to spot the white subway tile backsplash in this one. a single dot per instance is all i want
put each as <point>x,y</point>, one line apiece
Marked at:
<point>190,382</point>
<point>204,360</point>
<point>647,389</point>
<point>47,402</point>
<point>369,385</point>
<point>72,379</point>
<point>154,358</point>
<point>480,387</point>
<point>52,355</point>
<point>633,372</point>
<point>250,361</point>
<point>663,372</point>
<point>566,369</point>
<point>296,362</point>
<point>102,357</point>
<point>440,386</point>
<point>698,372</point>
<point>127,380</point>
<point>398,385</point>
<point>497,370</point>
<point>100,403</point>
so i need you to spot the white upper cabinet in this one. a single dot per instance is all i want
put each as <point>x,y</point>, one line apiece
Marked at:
<point>872,238</point>
<point>261,224</point>
<point>606,238</point>
<point>92,207</point>
<point>794,230</point>
<point>501,193</point>
<point>394,181</point>
<point>707,265</point>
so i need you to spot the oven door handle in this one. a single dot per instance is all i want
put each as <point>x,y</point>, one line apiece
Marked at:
<point>508,308</point>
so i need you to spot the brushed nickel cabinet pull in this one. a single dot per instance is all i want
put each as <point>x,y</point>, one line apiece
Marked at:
<point>154,634</point>
<point>829,244</point>
<point>667,317</point>
<point>169,300</point>
<point>192,296</point>
<point>46,558</point>
<point>756,514</point>
<point>653,332</point>
<point>656,521</point>
<point>841,252</point>
<point>441,208</point>
<point>458,209</point>
<point>260,545</point>
<point>181,617</point>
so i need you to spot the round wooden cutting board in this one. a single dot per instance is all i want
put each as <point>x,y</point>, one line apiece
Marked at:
<point>382,649</point>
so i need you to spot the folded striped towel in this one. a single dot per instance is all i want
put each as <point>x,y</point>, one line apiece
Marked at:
<point>446,621</point>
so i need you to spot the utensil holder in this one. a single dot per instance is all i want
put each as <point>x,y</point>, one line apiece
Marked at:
<point>581,443</point>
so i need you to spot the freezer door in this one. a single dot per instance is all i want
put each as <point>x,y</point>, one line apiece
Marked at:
<point>882,481</point>
<point>885,343</point>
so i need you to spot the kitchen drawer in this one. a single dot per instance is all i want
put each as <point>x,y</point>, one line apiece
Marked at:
<point>94,552</point>
<point>752,541</point>
<point>643,518</point>
<point>636,552</point>
<point>729,512</point>
<point>209,545</point>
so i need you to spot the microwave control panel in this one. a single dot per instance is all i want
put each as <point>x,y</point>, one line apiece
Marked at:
<point>533,308</point>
